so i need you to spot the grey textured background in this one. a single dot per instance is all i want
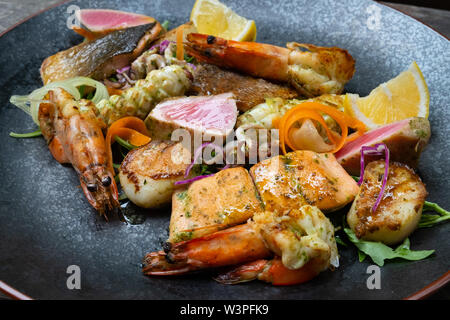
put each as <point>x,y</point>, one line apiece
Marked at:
<point>80,237</point>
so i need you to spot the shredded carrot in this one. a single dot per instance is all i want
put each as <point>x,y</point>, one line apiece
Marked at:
<point>310,110</point>
<point>131,129</point>
<point>180,49</point>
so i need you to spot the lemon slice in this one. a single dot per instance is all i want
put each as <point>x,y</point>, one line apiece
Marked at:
<point>403,97</point>
<point>214,18</point>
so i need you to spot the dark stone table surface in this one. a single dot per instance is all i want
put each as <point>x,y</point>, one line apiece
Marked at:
<point>14,11</point>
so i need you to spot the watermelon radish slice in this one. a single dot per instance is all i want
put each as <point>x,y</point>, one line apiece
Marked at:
<point>98,22</point>
<point>213,115</point>
<point>405,139</point>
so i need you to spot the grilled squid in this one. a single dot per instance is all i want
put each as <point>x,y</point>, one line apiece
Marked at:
<point>170,81</point>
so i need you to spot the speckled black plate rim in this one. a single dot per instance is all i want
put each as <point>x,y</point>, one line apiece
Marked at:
<point>34,15</point>
<point>424,293</point>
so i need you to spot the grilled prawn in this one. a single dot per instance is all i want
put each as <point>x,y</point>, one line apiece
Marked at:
<point>74,135</point>
<point>314,72</point>
<point>302,240</point>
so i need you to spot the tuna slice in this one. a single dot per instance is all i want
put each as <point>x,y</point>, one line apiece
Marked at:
<point>405,139</point>
<point>209,115</point>
<point>105,20</point>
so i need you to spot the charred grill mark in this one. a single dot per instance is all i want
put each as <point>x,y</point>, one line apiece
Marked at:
<point>210,39</point>
<point>160,176</point>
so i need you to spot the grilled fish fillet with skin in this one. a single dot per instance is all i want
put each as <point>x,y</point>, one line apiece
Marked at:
<point>101,57</point>
<point>400,209</point>
<point>147,174</point>
<point>249,91</point>
<point>213,203</point>
<point>303,177</point>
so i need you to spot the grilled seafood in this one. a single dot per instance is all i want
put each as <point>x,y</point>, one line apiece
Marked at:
<point>214,203</point>
<point>170,81</point>
<point>161,54</point>
<point>298,237</point>
<point>318,71</point>
<point>231,246</point>
<point>400,208</point>
<point>263,115</point>
<point>272,271</point>
<point>101,57</point>
<point>147,174</point>
<point>406,139</point>
<point>303,177</point>
<point>249,92</point>
<point>74,135</point>
<point>208,116</point>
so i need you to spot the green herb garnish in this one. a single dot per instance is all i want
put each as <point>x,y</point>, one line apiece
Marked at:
<point>188,58</point>
<point>429,220</point>
<point>124,143</point>
<point>33,134</point>
<point>379,251</point>
<point>165,24</point>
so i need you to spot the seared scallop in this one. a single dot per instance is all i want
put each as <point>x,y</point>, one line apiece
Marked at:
<point>147,174</point>
<point>400,209</point>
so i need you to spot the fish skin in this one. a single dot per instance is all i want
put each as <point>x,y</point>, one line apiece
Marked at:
<point>249,91</point>
<point>100,58</point>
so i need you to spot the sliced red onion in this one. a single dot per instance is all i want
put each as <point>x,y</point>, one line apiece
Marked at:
<point>376,151</point>
<point>163,45</point>
<point>124,69</point>
<point>193,179</point>
<point>192,66</point>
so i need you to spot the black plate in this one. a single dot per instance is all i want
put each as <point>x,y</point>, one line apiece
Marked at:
<point>47,225</point>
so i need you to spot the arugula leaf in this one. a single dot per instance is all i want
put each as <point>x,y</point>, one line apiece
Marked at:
<point>340,241</point>
<point>355,178</point>
<point>380,252</point>
<point>361,256</point>
<point>429,220</point>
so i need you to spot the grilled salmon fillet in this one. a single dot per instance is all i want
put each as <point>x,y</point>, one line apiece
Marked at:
<point>213,203</point>
<point>249,92</point>
<point>400,209</point>
<point>147,174</point>
<point>303,177</point>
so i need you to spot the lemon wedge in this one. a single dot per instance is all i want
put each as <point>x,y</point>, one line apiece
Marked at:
<point>214,18</point>
<point>400,98</point>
